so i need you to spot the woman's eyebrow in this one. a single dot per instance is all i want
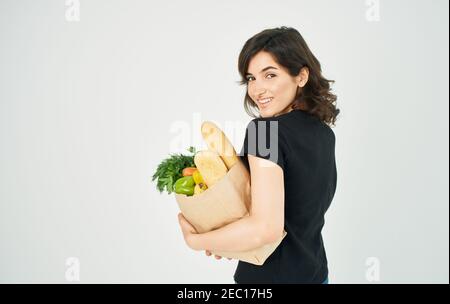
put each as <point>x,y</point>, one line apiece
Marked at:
<point>265,69</point>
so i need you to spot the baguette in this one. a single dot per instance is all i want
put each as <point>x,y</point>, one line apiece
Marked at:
<point>211,166</point>
<point>217,141</point>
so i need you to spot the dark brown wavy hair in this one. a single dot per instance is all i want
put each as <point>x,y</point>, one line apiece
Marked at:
<point>291,51</point>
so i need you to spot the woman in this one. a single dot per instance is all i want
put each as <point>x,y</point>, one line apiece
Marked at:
<point>294,180</point>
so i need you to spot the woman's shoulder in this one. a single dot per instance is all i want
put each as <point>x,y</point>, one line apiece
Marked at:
<point>291,124</point>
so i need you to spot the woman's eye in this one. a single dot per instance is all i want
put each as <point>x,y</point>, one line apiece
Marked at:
<point>272,75</point>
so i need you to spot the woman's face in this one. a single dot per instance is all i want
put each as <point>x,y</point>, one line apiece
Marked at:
<point>270,86</point>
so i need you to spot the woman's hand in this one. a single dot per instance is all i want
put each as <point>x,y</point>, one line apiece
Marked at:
<point>187,229</point>
<point>218,257</point>
<point>189,233</point>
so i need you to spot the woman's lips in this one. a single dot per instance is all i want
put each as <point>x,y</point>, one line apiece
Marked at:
<point>265,104</point>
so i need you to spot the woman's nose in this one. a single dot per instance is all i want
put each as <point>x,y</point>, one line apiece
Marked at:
<point>259,92</point>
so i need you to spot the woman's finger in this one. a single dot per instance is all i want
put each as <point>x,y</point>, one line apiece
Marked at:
<point>218,257</point>
<point>207,252</point>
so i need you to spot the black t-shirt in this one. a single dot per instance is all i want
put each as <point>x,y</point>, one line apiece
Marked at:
<point>304,147</point>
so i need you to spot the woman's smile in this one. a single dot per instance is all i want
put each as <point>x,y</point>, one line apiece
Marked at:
<point>264,103</point>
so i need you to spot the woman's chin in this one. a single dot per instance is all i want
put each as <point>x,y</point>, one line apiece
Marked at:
<point>264,112</point>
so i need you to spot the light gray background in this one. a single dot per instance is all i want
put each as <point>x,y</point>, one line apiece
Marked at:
<point>88,110</point>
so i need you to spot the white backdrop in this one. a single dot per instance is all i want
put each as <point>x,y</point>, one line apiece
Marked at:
<point>93,98</point>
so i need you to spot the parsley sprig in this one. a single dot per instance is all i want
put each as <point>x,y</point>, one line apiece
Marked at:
<point>170,169</point>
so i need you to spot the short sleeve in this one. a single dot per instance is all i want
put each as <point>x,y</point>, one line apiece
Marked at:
<point>264,139</point>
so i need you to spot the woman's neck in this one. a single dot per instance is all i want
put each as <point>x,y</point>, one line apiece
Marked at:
<point>286,110</point>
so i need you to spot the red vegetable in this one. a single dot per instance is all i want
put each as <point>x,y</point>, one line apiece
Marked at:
<point>188,171</point>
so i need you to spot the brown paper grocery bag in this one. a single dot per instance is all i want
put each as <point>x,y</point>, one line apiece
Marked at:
<point>226,201</point>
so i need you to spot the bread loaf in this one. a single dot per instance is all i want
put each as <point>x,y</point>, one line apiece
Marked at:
<point>218,142</point>
<point>210,165</point>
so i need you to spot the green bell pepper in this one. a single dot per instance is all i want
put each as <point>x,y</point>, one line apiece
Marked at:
<point>184,185</point>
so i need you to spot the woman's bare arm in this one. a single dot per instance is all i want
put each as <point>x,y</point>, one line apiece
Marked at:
<point>266,220</point>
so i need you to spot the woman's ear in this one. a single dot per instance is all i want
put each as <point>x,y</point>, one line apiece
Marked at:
<point>302,77</point>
